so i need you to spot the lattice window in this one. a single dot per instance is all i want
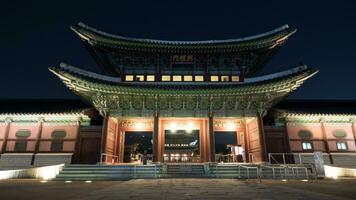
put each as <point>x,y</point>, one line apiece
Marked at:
<point>20,146</point>
<point>57,146</point>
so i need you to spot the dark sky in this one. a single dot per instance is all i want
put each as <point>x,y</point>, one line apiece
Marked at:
<point>35,35</point>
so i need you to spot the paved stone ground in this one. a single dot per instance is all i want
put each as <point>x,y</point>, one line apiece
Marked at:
<point>178,189</point>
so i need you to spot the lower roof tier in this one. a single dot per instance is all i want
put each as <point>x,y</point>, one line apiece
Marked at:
<point>111,95</point>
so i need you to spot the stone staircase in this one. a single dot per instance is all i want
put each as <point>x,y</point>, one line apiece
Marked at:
<point>241,171</point>
<point>261,171</point>
<point>185,171</point>
<point>233,171</point>
<point>108,172</point>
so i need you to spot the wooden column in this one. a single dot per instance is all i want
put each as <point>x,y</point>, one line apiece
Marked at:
<point>211,138</point>
<point>77,145</point>
<point>161,140</point>
<point>247,144</point>
<point>38,140</point>
<point>262,137</point>
<point>353,126</point>
<point>6,136</point>
<point>155,136</point>
<point>325,140</point>
<point>103,135</point>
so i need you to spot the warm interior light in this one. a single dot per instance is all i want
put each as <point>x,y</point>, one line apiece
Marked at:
<point>189,127</point>
<point>199,78</point>
<point>140,125</point>
<point>88,181</point>
<point>68,181</point>
<point>305,180</point>
<point>235,78</point>
<point>44,181</point>
<point>173,127</point>
<point>150,78</point>
<point>230,126</point>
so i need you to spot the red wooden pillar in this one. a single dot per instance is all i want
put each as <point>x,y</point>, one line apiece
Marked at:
<point>211,138</point>
<point>6,136</point>
<point>160,140</point>
<point>76,157</point>
<point>353,121</point>
<point>103,136</point>
<point>155,137</point>
<point>262,137</point>
<point>325,140</point>
<point>247,144</point>
<point>38,140</point>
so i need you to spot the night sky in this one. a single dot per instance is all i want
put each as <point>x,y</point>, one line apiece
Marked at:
<point>36,35</point>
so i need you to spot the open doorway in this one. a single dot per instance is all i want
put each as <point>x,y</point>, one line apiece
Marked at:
<point>181,146</point>
<point>137,144</point>
<point>227,148</point>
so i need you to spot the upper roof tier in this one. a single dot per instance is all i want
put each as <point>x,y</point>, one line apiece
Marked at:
<point>115,54</point>
<point>268,39</point>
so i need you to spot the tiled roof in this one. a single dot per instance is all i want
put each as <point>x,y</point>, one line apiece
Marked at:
<point>317,107</point>
<point>287,80</point>
<point>42,106</point>
<point>268,39</point>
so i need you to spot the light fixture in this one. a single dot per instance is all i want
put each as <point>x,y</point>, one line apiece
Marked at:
<point>88,181</point>
<point>44,181</point>
<point>305,180</point>
<point>284,180</point>
<point>68,181</point>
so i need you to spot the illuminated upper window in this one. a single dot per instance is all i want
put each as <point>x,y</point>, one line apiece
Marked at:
<point>188,78</point>
<point>341,145</point>
<point>199,78</point>
<point>225,78</point>
<point>235,78</point>
<point>307,146</point>
<point>214,78</point>
<point>129,77</point>
<point>177,78</point>
<point>166,78</point>
<point>150,78</point>
<point>140,78</point>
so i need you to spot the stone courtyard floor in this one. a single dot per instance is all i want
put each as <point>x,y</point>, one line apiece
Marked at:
<point>179,189</point>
